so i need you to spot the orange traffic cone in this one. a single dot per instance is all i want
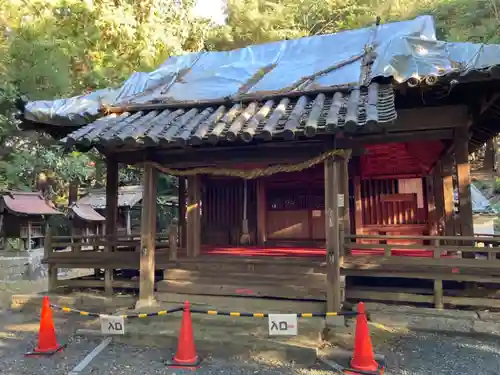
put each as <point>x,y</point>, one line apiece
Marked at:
<point>47,341</point>
<point>363,359</point>
<point>186,352</point>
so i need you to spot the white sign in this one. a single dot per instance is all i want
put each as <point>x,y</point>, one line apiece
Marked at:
<point>340,200</point>
<point>112,325</point>
<point>283,324</point>
<point>316,213</point>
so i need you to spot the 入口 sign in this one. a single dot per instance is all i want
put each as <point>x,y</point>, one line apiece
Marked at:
<point>112,325</point>
<point>283,324</point>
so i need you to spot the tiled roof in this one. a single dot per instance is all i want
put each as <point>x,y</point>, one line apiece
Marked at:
<point>25,203</point>
<point>86,212</point>
<point>128,196</point>
<point>282,118</point>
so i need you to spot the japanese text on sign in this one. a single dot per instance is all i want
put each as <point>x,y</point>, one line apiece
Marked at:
<point>283,324</point>
<point>112,325</point>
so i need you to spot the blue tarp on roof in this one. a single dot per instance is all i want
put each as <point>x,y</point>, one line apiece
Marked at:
<point>401,50</point>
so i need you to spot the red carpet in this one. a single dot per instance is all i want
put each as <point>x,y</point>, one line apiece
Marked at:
<point>307,252</point>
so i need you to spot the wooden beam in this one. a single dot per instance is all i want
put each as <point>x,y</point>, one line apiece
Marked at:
<point>333,290</point>
<point>270,153</point>
<point>193,216</point>
<point>261,212</point>
<point>182,212</point>
<point>111,215</point>
<point>148,237</point>
<point>426,118</point>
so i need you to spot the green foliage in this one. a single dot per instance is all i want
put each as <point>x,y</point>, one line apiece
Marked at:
<point>496,186</point>
<point>61,48</point>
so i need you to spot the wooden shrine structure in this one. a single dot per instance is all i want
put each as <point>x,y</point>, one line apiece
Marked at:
<point>287,194</point>
<point>25,215</point>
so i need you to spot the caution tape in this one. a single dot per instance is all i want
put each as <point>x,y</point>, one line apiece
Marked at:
<point>125,316</point>
<point>207,312</point>
<point>265,315</point>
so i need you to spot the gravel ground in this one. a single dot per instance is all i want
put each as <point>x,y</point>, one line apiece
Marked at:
<point>423,354</point>
<point>117,359</point>
<point>414,354</point>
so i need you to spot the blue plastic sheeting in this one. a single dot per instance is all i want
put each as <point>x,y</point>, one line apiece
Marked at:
<point>401,50</point>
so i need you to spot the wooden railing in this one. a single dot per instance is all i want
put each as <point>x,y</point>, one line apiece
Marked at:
<point>102,252</point>
<point>472,259</point>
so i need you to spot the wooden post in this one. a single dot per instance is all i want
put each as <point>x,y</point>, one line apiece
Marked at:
<point>432,217</point>
<point>148,238</point>
<point>194,216</point>
<point>261,212</point>
<point>358,217</point>
<point>344,211</point>
<point>173,234</point>
<point>47,253</point>
<point>111,217</point>
<point>28,247</point>
<point>128,222</point>
<point>461,144</point>
<point>182,212</point>
<point>332,171</point>
<point>449,225</point>
<point>438,194</point>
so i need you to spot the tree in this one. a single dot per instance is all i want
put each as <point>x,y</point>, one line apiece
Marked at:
<point>61,48</point>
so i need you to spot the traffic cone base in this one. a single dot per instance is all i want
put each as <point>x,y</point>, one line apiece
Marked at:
<point>37,353</point>
<point>47,341</point>
<point>379,371</point>
<point>185,356</point>
<point>193,364</point>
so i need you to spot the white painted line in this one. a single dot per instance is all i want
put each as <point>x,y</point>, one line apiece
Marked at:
<point>94,353</point>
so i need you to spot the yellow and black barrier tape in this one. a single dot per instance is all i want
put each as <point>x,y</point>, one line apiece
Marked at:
<point>265,315</point>
<point>125,316</point>
<point>208,312</point>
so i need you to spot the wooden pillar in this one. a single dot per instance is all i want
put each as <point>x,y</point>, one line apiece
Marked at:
<point>28,245</point>
<point>358,217</point>
<point>345,227</point>
<point>332,172</point>
<point>111,217</point>
<point>432,214</point>
<point>47,253</point>
<point>449,220</point>
<point>128,222</point>
<point>261,212</point>
<point>193,216</point>
<point>148,238</point>
<point>461,146</point>
<point>438,194</point>
<point>182,212</point>
<point>344,180</point>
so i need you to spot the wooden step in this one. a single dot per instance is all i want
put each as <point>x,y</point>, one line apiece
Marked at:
<point>241,304</point>
<point>226,288</point>
<point>257,266</point>
<point>186,274</point>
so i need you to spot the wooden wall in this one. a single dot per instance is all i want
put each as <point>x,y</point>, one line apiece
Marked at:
<point>383,202</point>
<point>222,210</point>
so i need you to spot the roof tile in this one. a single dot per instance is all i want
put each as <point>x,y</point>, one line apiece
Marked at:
<point>284,118</point>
